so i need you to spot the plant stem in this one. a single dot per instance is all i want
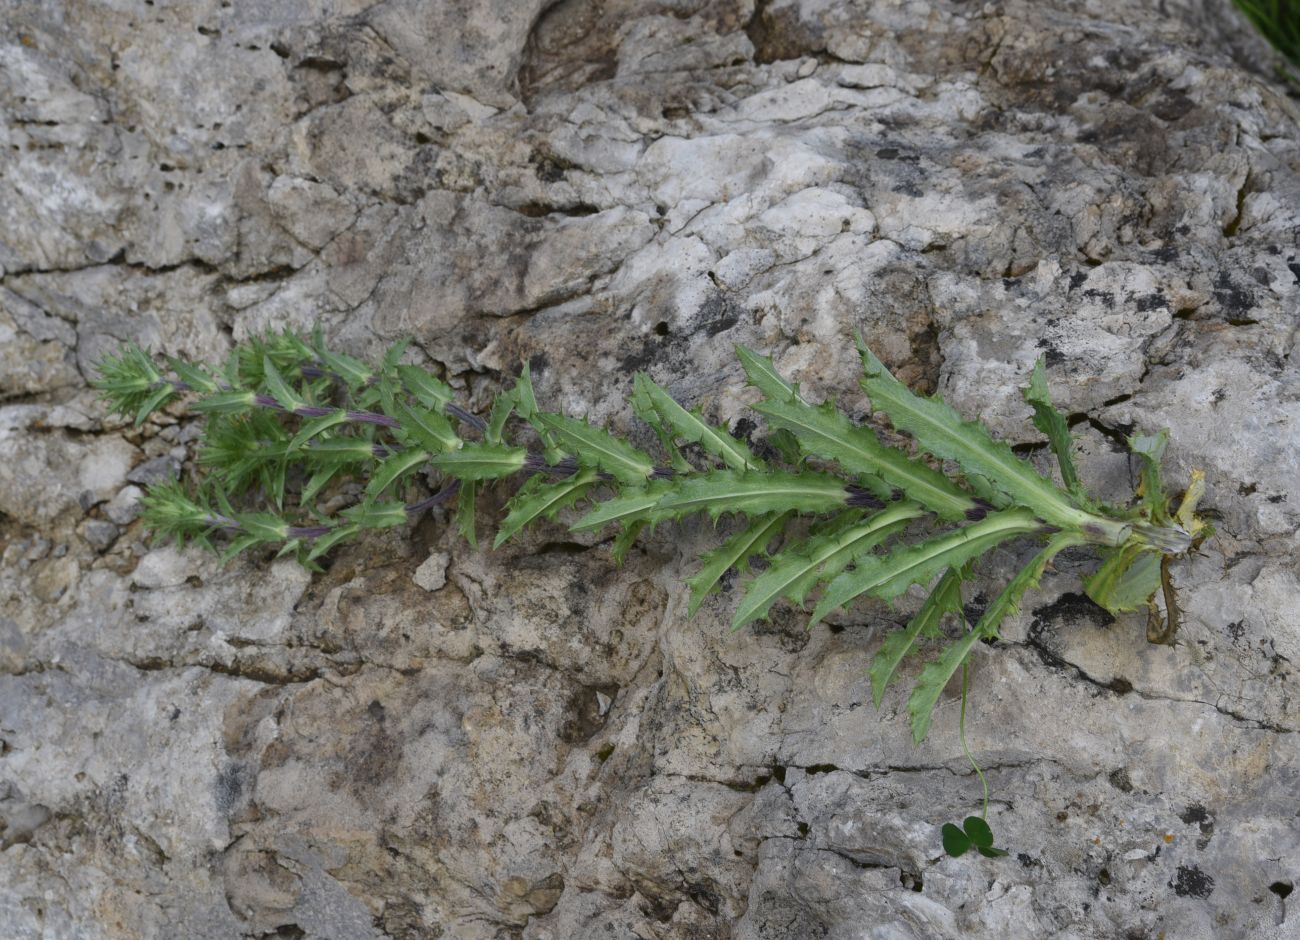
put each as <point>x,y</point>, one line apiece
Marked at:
<point>961,730</point>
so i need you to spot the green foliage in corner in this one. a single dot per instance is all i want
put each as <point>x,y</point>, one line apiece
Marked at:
<point>305,449</point>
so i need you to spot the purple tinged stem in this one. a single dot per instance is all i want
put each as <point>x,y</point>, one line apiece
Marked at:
<point>307,531</point>
<point>444,494</point>
<point>463,416</point>
<point>373,417</point>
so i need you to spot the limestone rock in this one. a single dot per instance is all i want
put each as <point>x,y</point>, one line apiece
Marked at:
<point>431,740</point>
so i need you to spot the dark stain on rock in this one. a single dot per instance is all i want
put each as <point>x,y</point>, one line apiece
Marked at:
<point>1153,301</point>
<point>1191,882</point>
<point>1233,299</point>
<point>718,313</point>
<point>588,707</point>
<point>228,789</point>
<point>1073,609</point>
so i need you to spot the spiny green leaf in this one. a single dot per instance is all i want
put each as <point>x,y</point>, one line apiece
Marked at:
<point>764,377</point>
<point>939,430</point>
<point>733,553</point>
<point>502,407</point>
<point>826,432</point>
<point>753,493</point>
<point>127,379</point>
<point>339,450</point>
<point>156,399</point>
<point>314,426</point>
<point>239,544</point>
<point>265,526</point>
<point>372,515</point>
<point>331,538</point>
<point>231,402</point>
<point>888,576</point>
<point>482,461</point>
<point>430,391</point>
<point>196,377</point>
<point>317,481</point>
<point>624,541</point>
<point>935,676</point>
<point>426,427</point>
<point>525,400</point>
<point>1150,448</point>
<point>598,449</point>
<point>167,509</point>
<point>797,568</point>
<point>1127,579</point>
<point>394,468</point>
<point>944,599</point>
<point>692,428</point>
<point>467,512</point>
<point>1053,424</point>
<point>644,408</point>
<point>631,505</point>
<point>536,499</point>
<point>353,372</point>
<point>286,397</point>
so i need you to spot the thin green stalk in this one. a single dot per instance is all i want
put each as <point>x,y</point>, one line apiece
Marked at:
<point>961,730</point>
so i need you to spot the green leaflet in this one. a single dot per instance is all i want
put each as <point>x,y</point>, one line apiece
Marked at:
<point>935,676</point>
<point>1053,424</point>
<point>944,599</point>
<point>482,461</point>
<point>763,375</point>
<point>796,569</point>
<point>536,499</point>
<point>429,391</point>
<point>1150,448</point>
<point>827,432</point>
<point>1127,579</point>
<point>692,428</point>
<point>632,505</point>
<point>733,553</point>
<point>596,448</point>
<point>888,576</point>
<point>939,430</point>
<point>753,493</point>
<point>393,469</point>
<point>315,426</point>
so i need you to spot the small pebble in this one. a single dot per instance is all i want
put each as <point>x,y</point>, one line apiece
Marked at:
<point>432,575</point>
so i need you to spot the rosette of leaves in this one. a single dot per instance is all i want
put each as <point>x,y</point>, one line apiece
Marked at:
<point>290,422</point>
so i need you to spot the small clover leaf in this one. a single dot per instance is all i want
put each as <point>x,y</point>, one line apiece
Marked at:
<point>975,832</point>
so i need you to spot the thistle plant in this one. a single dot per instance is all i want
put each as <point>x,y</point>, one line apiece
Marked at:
<point>289,422</point>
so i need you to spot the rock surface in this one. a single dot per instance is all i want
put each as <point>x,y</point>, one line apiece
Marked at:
<point>431,741</point>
